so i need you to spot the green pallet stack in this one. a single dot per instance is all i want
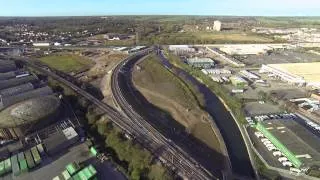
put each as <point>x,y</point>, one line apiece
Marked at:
<point>15,165</point>
<point>2,168</point>
<point>22,163</point>
<point>36,156</point>
<point>66,175</point>
<point>29,159</point>
<point>7,165</point>
<point>87,173</point>
<point>72,168</point>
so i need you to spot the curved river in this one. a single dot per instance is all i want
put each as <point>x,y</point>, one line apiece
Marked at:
<point>236,147</point>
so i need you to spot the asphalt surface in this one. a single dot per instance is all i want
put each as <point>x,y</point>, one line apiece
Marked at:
<point>136,127</point>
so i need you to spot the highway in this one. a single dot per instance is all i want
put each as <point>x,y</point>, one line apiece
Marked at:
<point>135,126</point>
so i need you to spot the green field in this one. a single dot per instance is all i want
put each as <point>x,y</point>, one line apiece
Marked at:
<point>66,62</point>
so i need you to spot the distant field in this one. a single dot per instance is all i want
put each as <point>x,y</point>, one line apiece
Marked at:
<point>169,93</point>
<point>289,21</point>
<point>66,62</point>
<point>208,38</point>
<point>234,37</point>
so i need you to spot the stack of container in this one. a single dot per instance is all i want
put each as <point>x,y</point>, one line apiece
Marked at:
<point>22,163</point>
<point>15,165</point>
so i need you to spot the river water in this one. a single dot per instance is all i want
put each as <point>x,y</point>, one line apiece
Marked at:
<point>237,151</point>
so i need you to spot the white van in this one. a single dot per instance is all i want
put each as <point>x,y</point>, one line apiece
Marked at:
<point>277,153</point>
<point>295,170</point>
<point>287,163</point>
<point>282,159</point>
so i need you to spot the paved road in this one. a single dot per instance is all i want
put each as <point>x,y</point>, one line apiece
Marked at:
<point>144,134</point>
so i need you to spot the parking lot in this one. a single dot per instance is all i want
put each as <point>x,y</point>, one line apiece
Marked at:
<point>297,139</point>
<point>293,132</point>
<point>286,56</point>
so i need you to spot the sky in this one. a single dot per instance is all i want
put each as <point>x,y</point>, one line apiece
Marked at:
<point>160,7</point>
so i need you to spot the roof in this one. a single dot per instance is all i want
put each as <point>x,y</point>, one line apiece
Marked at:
<point>29,111</point>
<point>310,72</point>
<point>70,133</point>
<point>200,60</point>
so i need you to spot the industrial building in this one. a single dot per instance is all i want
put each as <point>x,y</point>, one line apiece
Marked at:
<point>238,81</point>
<point>201,62</point>
<point>246,49</point>
<point>26,116</point>
<point>249,75</point>
<point>217,25</point>
<point>6,66</point>
<point>181,49</point>
<point>295,73</point>
<point>225,57</point>
<point>4,84</point>
<point>215,71</point>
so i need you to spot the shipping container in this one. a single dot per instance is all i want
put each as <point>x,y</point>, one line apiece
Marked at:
<point>2,169</point>
<point>15,165</point>
<point>36,156</point>
<point>23,166</point>
<point>7,165</point>
<point>72,168</point>
<point>29,159</point>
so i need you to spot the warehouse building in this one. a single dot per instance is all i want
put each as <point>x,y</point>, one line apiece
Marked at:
<point>6,66</point>
<point>16,90</point>
<point>246,49</point>
<point>29,115</point>
<point>4,84</point>
<point>7,101</point>
<point>181,49</point>
<point>205,63</point>
<point>295,73</point>
<point>238,81</point>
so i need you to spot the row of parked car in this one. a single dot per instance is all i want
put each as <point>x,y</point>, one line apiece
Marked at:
<point>274,116</point>
<point>275,152</point>
<point>313,125</point>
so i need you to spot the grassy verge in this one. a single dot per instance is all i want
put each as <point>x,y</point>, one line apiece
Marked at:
<point>66,62</point>
<point>176,97</point>
<point>133,160</point>
<point>234,103</point>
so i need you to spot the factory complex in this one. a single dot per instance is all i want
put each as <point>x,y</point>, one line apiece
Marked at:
<point>295,73</point>
<point>26,104</point>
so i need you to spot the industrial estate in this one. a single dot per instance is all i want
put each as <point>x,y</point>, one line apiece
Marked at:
<point>159,98</point>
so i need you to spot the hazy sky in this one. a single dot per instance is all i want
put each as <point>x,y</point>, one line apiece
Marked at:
<point>154,7</point>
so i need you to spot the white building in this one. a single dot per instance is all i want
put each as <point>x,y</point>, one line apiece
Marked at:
<point>181,48</point>
<point>217,25</point>
<point>216,71</point>
<point>283,75</point>
<point>42,44</point>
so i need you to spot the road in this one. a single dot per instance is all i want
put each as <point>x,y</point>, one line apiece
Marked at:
<point>133,125</point>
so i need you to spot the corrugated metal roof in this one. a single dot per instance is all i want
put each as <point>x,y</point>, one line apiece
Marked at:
<point>4,84</point>
<point>8,101</point>
<point>16,90</point>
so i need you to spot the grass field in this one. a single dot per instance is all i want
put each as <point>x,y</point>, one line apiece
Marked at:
<point>66,62</point>
<point>207,38</point>
<point>171,94</point>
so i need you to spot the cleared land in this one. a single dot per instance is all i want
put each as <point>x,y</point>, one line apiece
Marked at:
<point>66,62</point>
<point>168,92</point>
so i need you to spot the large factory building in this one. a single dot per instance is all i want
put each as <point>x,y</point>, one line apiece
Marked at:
<point>300,74</point>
